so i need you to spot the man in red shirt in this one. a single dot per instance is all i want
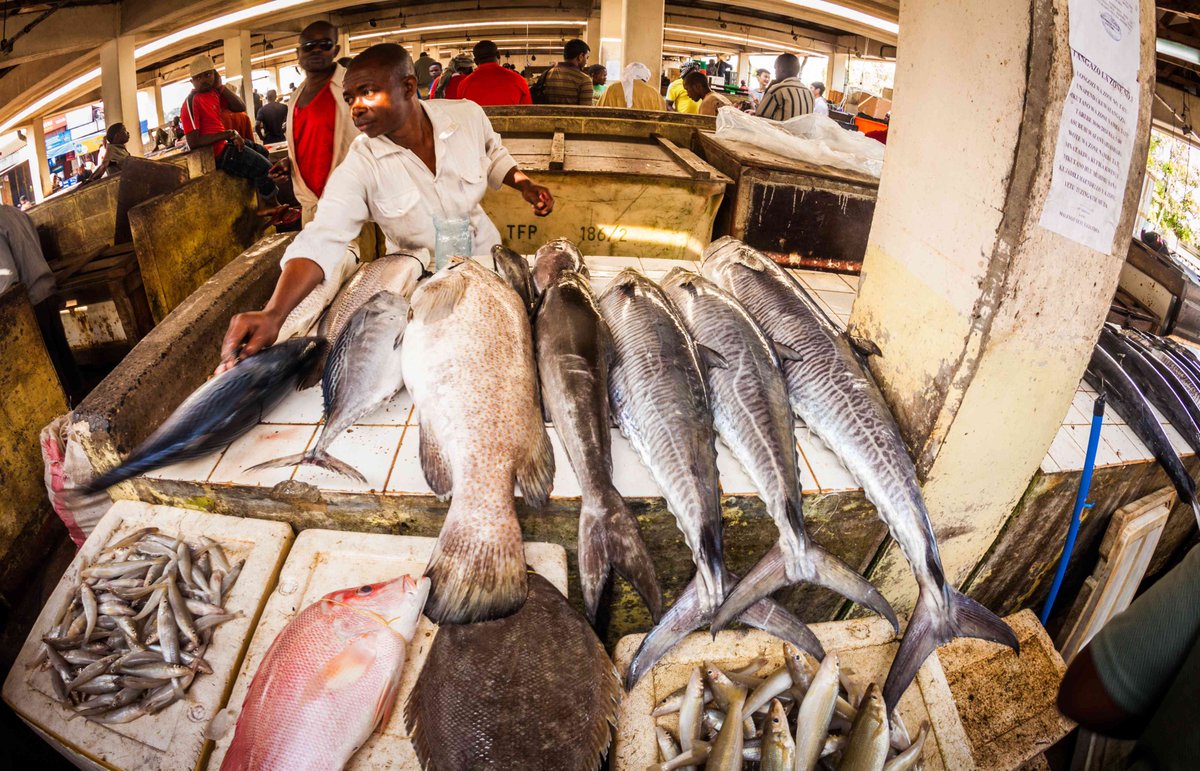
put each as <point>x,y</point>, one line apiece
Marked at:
<point>203,127</point>
<point>490,83</point>
<point>447,85</point>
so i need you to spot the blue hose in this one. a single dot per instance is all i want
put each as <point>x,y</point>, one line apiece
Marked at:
<point>1085,486</point>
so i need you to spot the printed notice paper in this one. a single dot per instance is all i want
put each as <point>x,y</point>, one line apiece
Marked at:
<point>1095,138</point>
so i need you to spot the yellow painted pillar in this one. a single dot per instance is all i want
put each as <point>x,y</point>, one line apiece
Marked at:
<point>118,88</point>
<point>238,72</point>
<point>837,72</point>
<point>986,316</point>
<point>158,103</point>
<point>612,31</point>
<point>35,139</point>
<point>643,35</point>
<point>592,38</point>
<point>743,69</point>
<point>344,43</point>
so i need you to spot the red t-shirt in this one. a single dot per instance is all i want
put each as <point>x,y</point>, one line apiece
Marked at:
<point>201,112</point>
<point>313,130</point>
<point>454,84</point>
<point>492,84</point>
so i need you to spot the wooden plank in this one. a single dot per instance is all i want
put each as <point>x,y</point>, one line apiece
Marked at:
<point>626,167</point>
<point>558,151</point>
<point>691,162</point>
<point>617,148</point>
<point>1125,553</point>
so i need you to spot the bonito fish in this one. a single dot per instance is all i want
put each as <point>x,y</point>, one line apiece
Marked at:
<point>573,351</point>
<point>515,270</point>
<point>553,258</point>
<point>749,403</point>
<point>468,359</point>
<point>219,411</point>
<point>661,405</point>
<point>535,690</point>
<point>329,680</point>
<point>362,372</point>
<point>835,398</point>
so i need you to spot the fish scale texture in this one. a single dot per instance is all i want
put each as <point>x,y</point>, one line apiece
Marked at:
<point>531,691</point>
<point>660,403</point>
<point>297,715</point>
<point>472,376</point>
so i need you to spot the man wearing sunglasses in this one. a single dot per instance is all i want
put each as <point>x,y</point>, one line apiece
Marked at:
<point>417,162</point>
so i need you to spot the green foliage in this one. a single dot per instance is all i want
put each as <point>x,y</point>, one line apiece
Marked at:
<point>1173,205</point>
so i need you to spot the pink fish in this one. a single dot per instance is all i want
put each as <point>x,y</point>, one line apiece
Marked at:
<point>329,679</point>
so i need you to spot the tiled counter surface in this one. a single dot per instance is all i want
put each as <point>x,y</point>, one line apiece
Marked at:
<point>383,446</point>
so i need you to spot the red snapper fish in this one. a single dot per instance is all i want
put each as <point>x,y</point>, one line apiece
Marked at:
<point>329,679</point>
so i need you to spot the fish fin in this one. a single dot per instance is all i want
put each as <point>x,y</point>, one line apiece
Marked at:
<point>435,300</point>
<point>285,461</point>
<point>219,726</point>
<point>774,619</point>
<point>535,475</point>
<point>863,346</point>
<point>786,352</point>
<point>349,665</point>
<point>817,567</point>
<point>684,617</point>
<point>387,702</point>
<point>475,578</point>
<point>435,464</point>
<point>710,358</point>
<point>318,458</point>
<point>608,538</point>
<point>925,632</point>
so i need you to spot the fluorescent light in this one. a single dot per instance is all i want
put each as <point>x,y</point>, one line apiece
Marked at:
<point>1177,50</point>
<point>743,39</point>
<point>406,31</point>
<point>833,9</point>
<point>86,79</point>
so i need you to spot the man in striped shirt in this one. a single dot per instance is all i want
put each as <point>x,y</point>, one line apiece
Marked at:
<point>787,97</point>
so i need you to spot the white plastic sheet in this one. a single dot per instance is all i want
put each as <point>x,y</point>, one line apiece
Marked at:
<point>810,138</point>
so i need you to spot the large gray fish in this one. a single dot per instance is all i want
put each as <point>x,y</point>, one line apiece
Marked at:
<point>1108,377</point>
<point>534,690</point>
<point>551,259</point>
<point>395,273</point>
<point>749,403</point>
<point>1154,347</point>
<point>468,361</point>
<point>515,270</point>
<point>1156,383</point>
<point>838,401</point>
<point>362,372</point>
<point>661,405</point>
<point>221,410</point>
<point>573,350</point>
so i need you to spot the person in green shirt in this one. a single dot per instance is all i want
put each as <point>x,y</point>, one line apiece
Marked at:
<point>677,95</point>
<point>1139,677</point>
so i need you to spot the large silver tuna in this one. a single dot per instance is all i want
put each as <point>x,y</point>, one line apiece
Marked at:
<point>468,359</point>
<point>658,396</point>
<point>573,349</point>
<point>552,258</point>
<point>362,372</point>
<point>839,402</point>
<point>749,403</point>
<point>515,270</point>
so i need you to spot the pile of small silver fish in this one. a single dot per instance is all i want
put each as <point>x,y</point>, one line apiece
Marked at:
<point>134,636</point>
<point>800,717</point>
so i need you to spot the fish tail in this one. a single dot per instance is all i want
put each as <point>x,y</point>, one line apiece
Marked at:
<point>816,566</point>
<point>317,457</point>
<point>476,577</point>
<point>535,474</point>
<point>927,629</point>
<point>608,538</point>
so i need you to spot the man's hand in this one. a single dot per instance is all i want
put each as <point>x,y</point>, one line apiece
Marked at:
<point>237,140</point>
<point>248,334</point>
<point>539,197</point>
<point>281,171</point>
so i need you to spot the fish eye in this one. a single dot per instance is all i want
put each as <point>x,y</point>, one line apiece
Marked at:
<point>364,589</point>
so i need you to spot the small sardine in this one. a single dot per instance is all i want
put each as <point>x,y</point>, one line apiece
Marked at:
<point>726,752</point>
<point>199,608</point>
<point>812,721</point>
<point>694,757</point>
<point>208,622</point>
<point>90,610</point>
<point>770,688</point>
<point>778,747</point>
<point>911,757</point>
<point>168,633</point>
<point>868,743</point>
<point>163,671</point>
<point>118,569</point>
<point>80,657</point>
<point>667,748</point>
<point>121,714</point>
<point>230,579</point>
<point>691,711</point>
<point>91,671</point>
<point>182,617</point>
<point>115,609</point>
<point>101,684</point>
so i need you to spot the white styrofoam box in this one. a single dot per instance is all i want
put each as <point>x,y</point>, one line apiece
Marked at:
<point>174,738</point>
<point>865,648</point>
<point>322,561</point>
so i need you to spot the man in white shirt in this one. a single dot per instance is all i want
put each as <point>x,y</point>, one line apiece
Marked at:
<point>820,106</point>
<point>416,160</point>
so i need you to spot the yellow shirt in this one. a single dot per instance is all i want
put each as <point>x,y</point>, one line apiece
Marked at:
<point>678,95</point>
<point>644,96</point>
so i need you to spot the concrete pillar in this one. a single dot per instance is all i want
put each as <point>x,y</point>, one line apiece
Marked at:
<point>344,43</point>
<point>591,36</point>
<point>35,140</point>
<point>838,70</point>
<point>643,37</point>
<point>743,69</point>
<point>158,102</point>
<point>238,71</point>
<point>118,88</point>
<point>985,319</point>
<point>612,33</point>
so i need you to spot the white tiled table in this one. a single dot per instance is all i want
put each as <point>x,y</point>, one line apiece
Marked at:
<point>384,445</point>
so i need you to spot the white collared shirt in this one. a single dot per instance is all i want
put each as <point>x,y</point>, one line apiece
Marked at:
<point>388,184</point>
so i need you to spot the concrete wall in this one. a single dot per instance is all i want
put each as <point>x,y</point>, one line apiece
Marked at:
<point>32,398</point>
<point>80,222</point>
<point>183,238</point>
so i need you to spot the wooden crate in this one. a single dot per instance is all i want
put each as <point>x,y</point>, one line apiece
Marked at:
<point>322,561</point>
<point>174,739</point>
<point>864,646</point>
